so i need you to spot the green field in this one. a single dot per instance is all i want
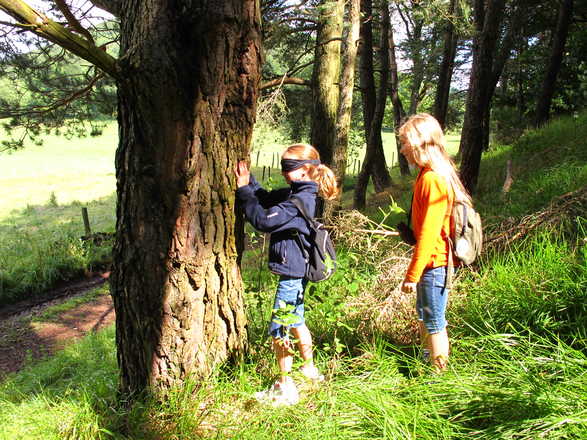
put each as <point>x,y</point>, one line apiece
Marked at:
<point>73,170</point>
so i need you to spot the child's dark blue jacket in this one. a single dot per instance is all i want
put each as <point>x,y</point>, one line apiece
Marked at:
<point>272,211</point>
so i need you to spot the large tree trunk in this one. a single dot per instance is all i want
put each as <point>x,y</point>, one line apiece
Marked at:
<point>325,79</point>
<point>487,21</point>
<point>374,165</point>
<point>446,67</point>
<point>344,113</point>
<point>381,177</point>
<point>565,14</point>
<point>398,108</point>
<point>186,112</point>
<point>501,57</point>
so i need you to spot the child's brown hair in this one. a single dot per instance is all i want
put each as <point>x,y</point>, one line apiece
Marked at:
<point>321,174</point>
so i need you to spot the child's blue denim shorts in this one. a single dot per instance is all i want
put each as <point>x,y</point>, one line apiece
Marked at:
<point>290,291</point>
<point>432,298</point>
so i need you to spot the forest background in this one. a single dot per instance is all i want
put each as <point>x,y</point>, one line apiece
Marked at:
<point>516,319</point>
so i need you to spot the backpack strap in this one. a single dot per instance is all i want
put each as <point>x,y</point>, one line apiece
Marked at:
<point>465,220</point>
<point>300,206</point>
<point>449,267</point>
<point>450,263</point>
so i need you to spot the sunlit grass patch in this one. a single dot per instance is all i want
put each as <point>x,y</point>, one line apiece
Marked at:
<point>79,169</point>
<point>546,163</point>
<point>538,285</point>
<point>40,246</point>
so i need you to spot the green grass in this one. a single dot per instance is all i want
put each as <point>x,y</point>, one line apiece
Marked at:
<point>517,325</point>
<point>498,386</point>
<point>42,245</point>
<point>538,285</point>
<point>546,163</point>
<point>67,396</point>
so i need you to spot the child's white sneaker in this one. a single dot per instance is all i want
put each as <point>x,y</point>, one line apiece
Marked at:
<point>312,373</point>
<point>280,394</point>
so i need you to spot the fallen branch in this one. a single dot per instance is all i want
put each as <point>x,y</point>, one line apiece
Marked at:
<point>377,231</point>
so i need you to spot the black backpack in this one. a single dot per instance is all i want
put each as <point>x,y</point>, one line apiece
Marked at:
<point>321,257</point>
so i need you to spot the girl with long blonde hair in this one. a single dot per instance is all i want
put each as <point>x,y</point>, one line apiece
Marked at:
<point>435,190</point>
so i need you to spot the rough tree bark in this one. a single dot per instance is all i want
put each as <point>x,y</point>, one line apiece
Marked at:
<point>488,16</point>
<point>344,113</point>
<point>325,78</point>
<point>186,112</point>
<point>565,15</point>
<point>374,165</point>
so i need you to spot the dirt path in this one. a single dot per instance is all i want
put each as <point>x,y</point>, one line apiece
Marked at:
<point>23,338</point>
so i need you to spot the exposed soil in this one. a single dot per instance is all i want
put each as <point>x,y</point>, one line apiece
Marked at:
<point>23,338</point>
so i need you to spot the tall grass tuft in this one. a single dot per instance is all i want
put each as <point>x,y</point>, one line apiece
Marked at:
<point>538,285</point>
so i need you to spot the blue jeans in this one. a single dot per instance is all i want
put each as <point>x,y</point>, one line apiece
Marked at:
<point>291,292</point>
<point>431,299</point>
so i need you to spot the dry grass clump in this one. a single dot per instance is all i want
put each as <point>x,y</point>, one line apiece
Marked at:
<point>385,309</point>
<point>362,235</point>
<point>382,307</point>
<point>560,210</point>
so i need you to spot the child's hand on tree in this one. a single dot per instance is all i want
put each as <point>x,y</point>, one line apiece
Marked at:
<point>242,174</point>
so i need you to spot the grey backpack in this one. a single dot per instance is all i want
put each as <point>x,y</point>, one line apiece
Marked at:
<point>466,237</point>
<point>466,232</point>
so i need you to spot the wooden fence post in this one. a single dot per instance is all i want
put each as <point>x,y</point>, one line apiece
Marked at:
<point>86,222</point>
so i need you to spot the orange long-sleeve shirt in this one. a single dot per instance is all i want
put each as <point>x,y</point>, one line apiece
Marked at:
<point>430,223</point>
